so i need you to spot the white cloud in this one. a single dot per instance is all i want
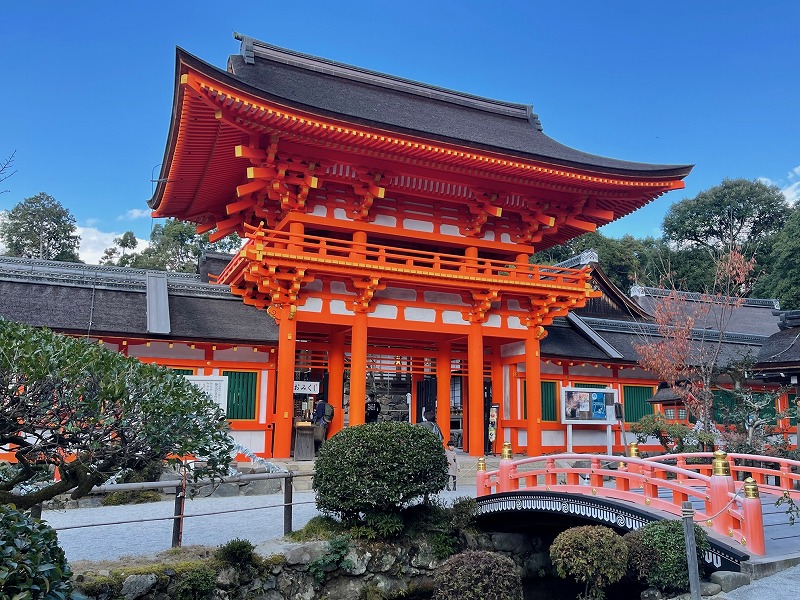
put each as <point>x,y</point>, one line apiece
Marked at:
<point>92,222</point>
<point>93,242</point>
<point>135,213</point>
<point>794,173</point>
<point>765,181</point>
<point>792,192</point>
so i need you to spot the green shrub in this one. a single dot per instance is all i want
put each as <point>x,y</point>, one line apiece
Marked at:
<point>32,565</point>
<point>320,527</point>
<point>378,468</point>
<point>477,575</point>
<point>332,560</point>
<point>237,553</point>
<point>593,555</point>
<point>640,558</point>
<point>196,584</point>
<point>131,497</point>
<point>665,541</point>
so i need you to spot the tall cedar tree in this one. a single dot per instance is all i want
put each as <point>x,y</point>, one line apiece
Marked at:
<point>40,227</point>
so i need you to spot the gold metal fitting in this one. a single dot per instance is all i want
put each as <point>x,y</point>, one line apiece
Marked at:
<point>750,488</point>
<point>594,492</point>
<point>507,453</point>
<point>633,450</point>
<point>481,464</point>
<point>721,466</point>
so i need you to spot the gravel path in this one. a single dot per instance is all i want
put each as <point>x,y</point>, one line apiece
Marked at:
<point>255,518</point>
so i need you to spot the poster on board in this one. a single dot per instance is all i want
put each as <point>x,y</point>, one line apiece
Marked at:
<point>588,406</point>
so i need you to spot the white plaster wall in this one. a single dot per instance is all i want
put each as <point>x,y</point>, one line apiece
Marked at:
<point>512,349</point>
<point>589,437</point>
<point>243,354</point>
<point>444,298</point>
<point>515,323</point>
<point>421,315</point>
<point>320,210</point>
<point>338,307</point>
<point>554,438</point>
<point>162,350</point>
<point>453,317</point>
<point>551,369</point>
<point>417,225</point>
<point>394,293</point>
<point>383,311</point>
<point>450,230</point>
<point>494,320</point>
<point>589,371</point>
<point>254,440</point>
<point>635,373</point>
<point>313,286</point>
<point>386,220</point>
<point>338,287</point>
<point>312,305</point>
<point>262,398</point>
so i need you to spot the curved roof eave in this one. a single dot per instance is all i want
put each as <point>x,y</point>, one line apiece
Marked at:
<point>564,156</point>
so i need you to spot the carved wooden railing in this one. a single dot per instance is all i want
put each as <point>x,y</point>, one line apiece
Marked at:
<point>729,507</point>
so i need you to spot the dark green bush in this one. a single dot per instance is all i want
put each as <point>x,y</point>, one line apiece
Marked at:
<point>32,565</point>
<point>640,558</point>
<point>664,540</point>
<point>378,468</point>
<point>593,555</point>
<point>196,584</point>
<point>131,497</point>
<point>477,575</point>
<point>237,553</point>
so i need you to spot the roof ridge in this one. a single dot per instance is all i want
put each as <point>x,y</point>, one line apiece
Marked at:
<point>251,48</point>
<point>643,290</point>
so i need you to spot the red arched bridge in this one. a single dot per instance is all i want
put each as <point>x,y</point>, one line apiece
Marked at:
<point>733,495</point>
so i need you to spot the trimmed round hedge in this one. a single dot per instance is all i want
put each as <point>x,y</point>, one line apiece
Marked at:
<point>593,555</point>
<point>477,575</point>
<point>378,468</point>
<point>664,541</point>
<point>32,565</point>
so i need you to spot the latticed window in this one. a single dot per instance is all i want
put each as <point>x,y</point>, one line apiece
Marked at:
<point>183,371</point>
<point>549,401</point>
<point>241,394</point>
<point>635,398</point>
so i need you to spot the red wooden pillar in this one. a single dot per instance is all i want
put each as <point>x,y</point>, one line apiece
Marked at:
<point>284,401</point>
<point>358,369</point>
<point>498,395</point>
<point>533,391</point>
<point>336,380</point>
<point>476,425</point>
<point>443,356</point>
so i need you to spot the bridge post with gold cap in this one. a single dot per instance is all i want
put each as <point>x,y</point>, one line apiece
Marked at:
<point>753,519</point>
<point>481,478</point>
<point>720,492</point>
<point>506,480</point>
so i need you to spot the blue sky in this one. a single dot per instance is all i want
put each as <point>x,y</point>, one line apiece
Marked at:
<point>88,85</point>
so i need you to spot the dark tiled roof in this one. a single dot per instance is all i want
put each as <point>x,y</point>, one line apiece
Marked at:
<point>780,349</point>
<point>568,342</point>
<point>754,317</point>
<point>81,299</point>
<point>342,91</point>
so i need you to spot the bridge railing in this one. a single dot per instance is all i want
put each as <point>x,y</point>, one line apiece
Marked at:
<point>731,512</point>
<point>774,475</point>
